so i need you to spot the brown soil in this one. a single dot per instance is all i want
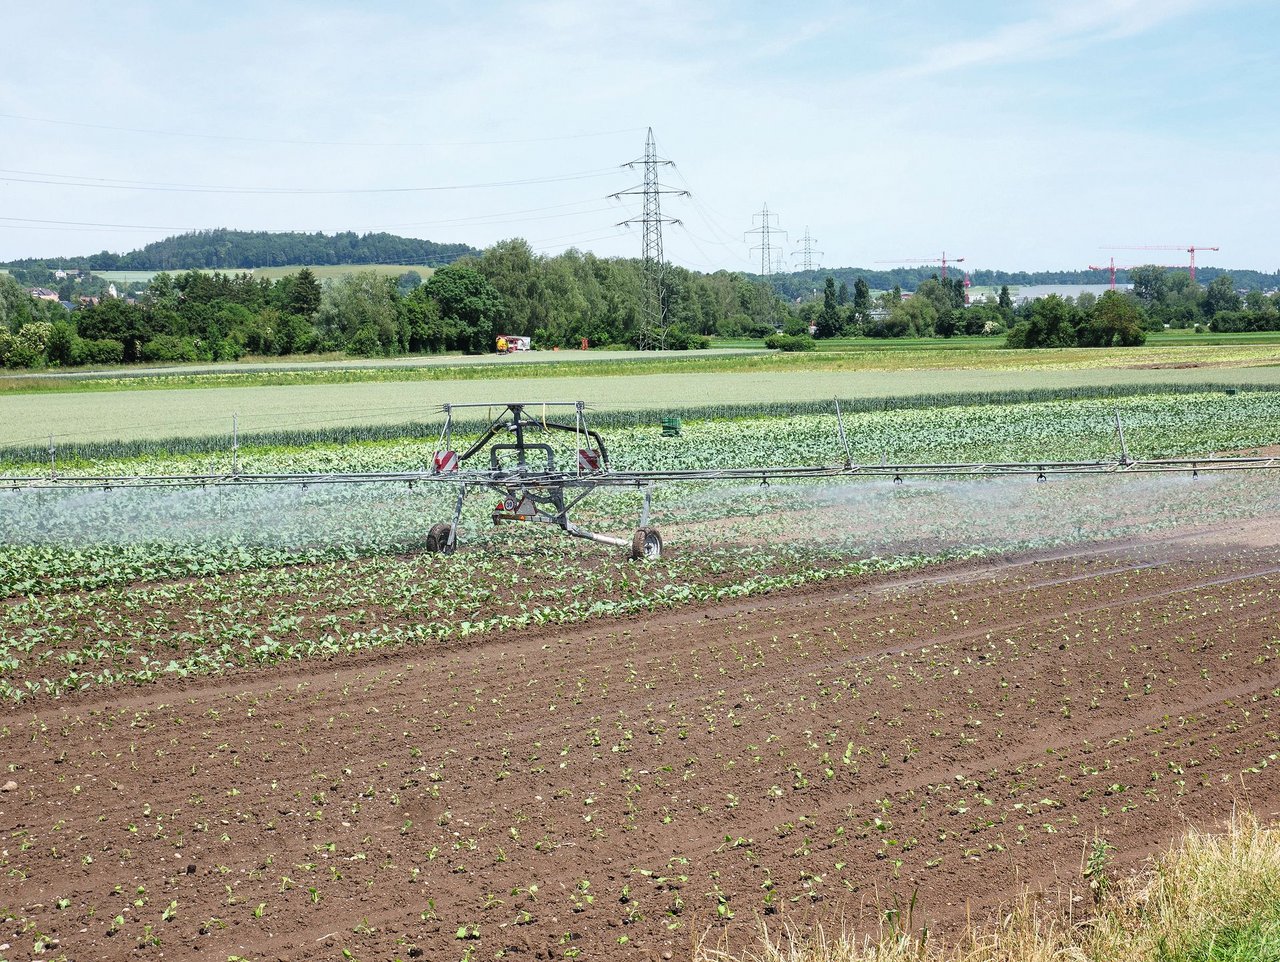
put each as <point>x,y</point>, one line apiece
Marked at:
<point>620,788</point>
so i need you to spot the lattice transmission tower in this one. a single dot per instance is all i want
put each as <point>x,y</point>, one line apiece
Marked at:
<point>765,247</point>
<point>807,250</point>
<point>768,256</point>
<point>654,319</point>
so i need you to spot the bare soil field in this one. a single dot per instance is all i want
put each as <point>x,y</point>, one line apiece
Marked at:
<point>625,787</point>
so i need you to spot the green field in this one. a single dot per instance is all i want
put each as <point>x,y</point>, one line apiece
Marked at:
<point>323,272</point>
<point>859,356</point>
<point>197,412</point>
<point>126,277</point>
<point>271,396</point>
<point>1155,339</point>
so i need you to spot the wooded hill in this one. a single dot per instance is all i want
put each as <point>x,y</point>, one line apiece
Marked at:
<point>231,250</point>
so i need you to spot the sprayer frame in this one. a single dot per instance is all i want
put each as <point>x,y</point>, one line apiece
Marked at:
<point>535,489</point>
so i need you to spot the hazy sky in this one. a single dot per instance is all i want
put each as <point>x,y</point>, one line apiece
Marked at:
<point>1019,135</point>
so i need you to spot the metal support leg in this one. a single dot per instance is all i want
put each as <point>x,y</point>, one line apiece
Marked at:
<point>646,506</point>
<point>457,516</point>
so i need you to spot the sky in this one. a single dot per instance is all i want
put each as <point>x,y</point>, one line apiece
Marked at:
<point>1015,135</point>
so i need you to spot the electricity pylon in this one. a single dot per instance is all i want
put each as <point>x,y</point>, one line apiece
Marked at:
<point>654,321</point>
<point>807,250</point>
<point>765,230</point>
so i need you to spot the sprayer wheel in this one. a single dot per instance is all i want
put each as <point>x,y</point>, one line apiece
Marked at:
<point>646,545</point>
<point>438,539</point>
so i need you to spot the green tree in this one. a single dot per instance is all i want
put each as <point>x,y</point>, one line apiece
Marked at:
<point>472,309</point>
<point>1116,319</point>
<point>940,297</point>
<point>364,301</point>
<point>1221,296</point>
<point>408,281</point>
<point>304,295</point>
<point>427,334</point>
<point>914,317</point>
<point>828,321</point>
<point>1051,322</point>
<point>861,296</point>
<point>1005,301</point>
<point>983,318</point>
<point>519,276</point>
<point>61,346</point>
<point>1150,285</point>
<point>117,320</point>
<point>28,346</point>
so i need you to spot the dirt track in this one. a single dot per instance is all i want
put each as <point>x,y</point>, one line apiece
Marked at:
<point>810,754</point>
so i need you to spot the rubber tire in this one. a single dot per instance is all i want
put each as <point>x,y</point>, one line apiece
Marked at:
<point>646,545</point>
<point>438,539</point>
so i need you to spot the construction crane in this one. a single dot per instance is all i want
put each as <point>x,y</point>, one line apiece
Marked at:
<point>1112,268</point>
<point>1170,247</point>
<point>943,260</point>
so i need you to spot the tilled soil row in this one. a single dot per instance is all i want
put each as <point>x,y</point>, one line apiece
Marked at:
<point>618,787</point>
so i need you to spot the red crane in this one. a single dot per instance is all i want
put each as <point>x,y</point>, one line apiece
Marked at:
<point>1112,268</point>
<point>1171,247</point>
<point>943,260</point>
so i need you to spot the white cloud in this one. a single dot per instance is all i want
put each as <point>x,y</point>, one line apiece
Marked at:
<point>1064,29</point>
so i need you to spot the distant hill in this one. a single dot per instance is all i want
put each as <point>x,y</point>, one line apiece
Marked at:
<point>804,283</point>
<point>230,250</point>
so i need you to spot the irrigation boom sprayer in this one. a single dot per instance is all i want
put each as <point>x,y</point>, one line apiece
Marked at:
<point>514,458</point>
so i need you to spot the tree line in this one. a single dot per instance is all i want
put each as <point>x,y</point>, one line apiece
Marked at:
<point>561,300</point>
<point>462,307</point>
<point>223,249</point>
<point>803,285</point>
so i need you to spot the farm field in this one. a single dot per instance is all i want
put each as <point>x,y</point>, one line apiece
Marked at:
<point>264,723</point>
<point>727,358</point>
<point>965,343</point>
<point>321,272</point>
<point>119,378</point>
<point>621,787</point>
<point>164,413</point>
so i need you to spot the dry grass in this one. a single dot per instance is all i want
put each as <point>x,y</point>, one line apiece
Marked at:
<point>1213,898</point>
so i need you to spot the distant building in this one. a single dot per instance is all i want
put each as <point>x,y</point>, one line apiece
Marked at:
<point>44,294</point>
<point>1033,292</point>
<point>111,291</point>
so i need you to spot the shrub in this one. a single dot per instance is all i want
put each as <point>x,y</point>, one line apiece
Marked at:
<point>167,347</point>
<point>28,346</point>
<point>365,343</point>
<point>85,351</point>
<point>790,342</point>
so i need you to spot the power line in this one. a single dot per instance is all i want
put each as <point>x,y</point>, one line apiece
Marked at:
<point>68,180</point>
<point>312,143</point>
<point>478,220</point>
